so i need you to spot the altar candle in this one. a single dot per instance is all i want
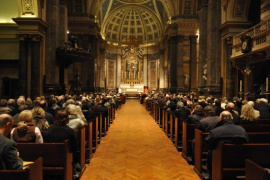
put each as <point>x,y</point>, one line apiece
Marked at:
<point>240,85</point>
<point>266,88</point>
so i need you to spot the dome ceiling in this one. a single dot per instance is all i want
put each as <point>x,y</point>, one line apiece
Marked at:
<point>134,1</point>
<point>123,20</point>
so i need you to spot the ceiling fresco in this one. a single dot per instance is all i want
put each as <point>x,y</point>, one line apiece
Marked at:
<point>122,20</point>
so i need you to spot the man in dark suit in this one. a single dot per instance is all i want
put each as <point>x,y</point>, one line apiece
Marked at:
<point>209,122</point>
<point>9,159</point>
<point>227,131</point>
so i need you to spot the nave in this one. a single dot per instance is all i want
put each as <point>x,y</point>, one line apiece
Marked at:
<point>136,148</point>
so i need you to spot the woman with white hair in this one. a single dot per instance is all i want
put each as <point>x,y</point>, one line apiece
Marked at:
<point>75,121</point>
<point>262,106</point>
<point>257,113</point>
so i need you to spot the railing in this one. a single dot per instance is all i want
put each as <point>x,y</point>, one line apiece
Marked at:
<point>260,35</point>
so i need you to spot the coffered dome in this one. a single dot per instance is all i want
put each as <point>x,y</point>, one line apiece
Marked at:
<point>131,22</point>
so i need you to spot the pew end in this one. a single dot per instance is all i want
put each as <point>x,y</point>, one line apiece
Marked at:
<point>32,172</point>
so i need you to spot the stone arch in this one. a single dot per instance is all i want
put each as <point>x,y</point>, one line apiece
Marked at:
<point>169,6</point>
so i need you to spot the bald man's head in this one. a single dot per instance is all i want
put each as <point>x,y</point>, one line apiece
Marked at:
<point>4,119</point>
<point>225,115</point>
<point>230,106</point>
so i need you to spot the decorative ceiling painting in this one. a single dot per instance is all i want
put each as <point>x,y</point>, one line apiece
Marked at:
<point>123,20</point>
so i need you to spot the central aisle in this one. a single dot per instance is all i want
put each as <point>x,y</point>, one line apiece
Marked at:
<point>136,148</point>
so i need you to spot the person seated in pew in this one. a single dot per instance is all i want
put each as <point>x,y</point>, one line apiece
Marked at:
<point>197,115</point>
<point>230,107</point>
<point>25,130</point>
<point>263,107</point>
<point>59,132</point>
<point>39,118</point>
<point>226,131</point>
<point>9,155</point>
<point>217,107</point>
<point>210,121</point>
<point>181,111</point>
<point>247,115</point>
<point>75,118</point>
<point>256,112</point>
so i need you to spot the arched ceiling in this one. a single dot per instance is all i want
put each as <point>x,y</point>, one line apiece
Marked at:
<point>123,20</point>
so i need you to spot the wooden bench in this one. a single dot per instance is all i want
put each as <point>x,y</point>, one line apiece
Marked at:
<point>89,141</point>
<point>172,127</point>
<point>187,138</point>
<point>95,134</point>
<point>201,150</point>
<point>178,133</point>
<point>255,171</point>
<point>82,148</point>
<point>32,172</point>
<point>57,157</point>
<point>229,159</point>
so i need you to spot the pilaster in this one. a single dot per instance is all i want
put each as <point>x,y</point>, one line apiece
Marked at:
<point>31,33</point>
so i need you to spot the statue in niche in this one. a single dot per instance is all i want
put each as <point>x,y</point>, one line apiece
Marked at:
<point>239,7</point>
<point>186,82</point>
<point>205,71</point>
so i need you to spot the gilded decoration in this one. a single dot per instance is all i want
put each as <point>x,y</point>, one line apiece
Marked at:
<point>27,7</point>
<point>132,66</point>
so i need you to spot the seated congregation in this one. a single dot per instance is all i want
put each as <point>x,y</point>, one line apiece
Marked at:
<point>57,134</point>
<point>222,139</point>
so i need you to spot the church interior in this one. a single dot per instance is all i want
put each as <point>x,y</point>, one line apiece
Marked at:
<point>110,52</point>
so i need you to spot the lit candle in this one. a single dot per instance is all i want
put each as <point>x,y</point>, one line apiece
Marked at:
<point>266,88</point>
<point>240,85</point>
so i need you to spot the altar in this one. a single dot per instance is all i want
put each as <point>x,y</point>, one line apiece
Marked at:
<point>131,88</point>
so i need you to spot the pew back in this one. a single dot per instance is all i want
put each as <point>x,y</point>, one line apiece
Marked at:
<point>229,159</point>
<point>32,172</point>
<point>57,157</point>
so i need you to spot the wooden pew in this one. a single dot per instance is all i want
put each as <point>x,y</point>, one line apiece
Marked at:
<point>178,133</point>
<point>57,157</point>
<point>187,138</point>
<point>172,127</point>
<point>32,172</point>
<point>89,135</point>
<point>160,116</point>
<point>82,148</point>
<point>95,134</point>
<point>157,113</point>
<point>255,171</point>
<point>164,114</point>
<point>229,159</point>
<point>201,150</point>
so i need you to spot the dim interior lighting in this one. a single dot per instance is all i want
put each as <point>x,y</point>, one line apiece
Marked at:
<point>67,31</point>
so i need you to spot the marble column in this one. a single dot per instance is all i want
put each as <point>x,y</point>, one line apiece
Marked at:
<point>103,68</point>
<point>36,78</point>
<point>179,63</point>
<point>229,70</point>
<point>91,64</point>
<point>193,63</point>
<point>161,70</point>
<point>213,47</point>
<point>118,69</point>
<point>52,36</point>
<point>172,63</point>
<point>23,55</point>
<point>145,70</point>
<point>202,14</point>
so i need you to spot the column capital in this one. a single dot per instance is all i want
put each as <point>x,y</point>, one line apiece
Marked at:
<point>29,37</point>
<point>180,38</point>
<point>31,27</point>
<point>193,38</point>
